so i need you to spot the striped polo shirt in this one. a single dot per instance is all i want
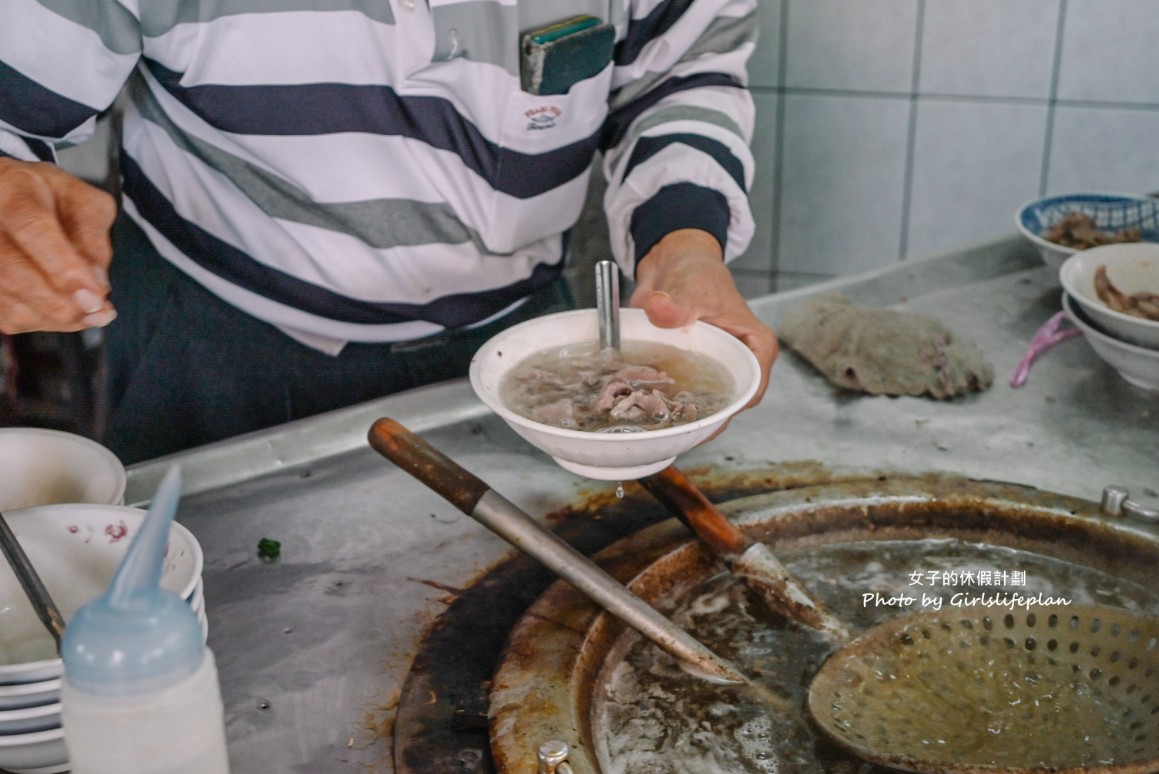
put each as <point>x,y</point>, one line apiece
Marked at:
<point>371,170</point>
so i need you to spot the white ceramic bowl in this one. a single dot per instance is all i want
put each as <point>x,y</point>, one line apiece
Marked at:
<point>1110,211</point>
<point>76,550</point>
<point>1138,365</point>
<point>28,720</point>
<point>196,598</point>
<point>40,752</point>
<point>611,456</point>
<point>49,466</point>
<point>35,694</point>
<point>1131,268</point>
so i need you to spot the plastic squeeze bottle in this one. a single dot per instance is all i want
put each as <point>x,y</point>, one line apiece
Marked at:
<point>140,692</point>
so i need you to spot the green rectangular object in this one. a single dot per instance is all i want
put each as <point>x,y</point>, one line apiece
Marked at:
<point>557,57</point>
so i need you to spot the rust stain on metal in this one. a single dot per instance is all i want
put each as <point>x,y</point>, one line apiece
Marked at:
<point>717,483</point>
<point>436,585</point>
<point>379,721</point>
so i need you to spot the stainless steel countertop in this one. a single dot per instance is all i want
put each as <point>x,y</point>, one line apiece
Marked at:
<point>313,649</point>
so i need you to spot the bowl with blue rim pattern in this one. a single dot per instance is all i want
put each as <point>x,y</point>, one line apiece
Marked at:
<point>1111,213</point>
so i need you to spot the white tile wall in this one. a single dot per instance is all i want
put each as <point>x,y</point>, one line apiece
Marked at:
<point>765,64</point>
<point>851,45</point>
<point>902,129</point>
<point>974,165</point>
<point>1105,148</point>
<point>1109,52</point>
<point>988,48</point>
<point>843,183</point>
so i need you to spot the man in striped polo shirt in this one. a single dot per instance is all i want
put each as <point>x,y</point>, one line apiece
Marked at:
<point>326,202</point>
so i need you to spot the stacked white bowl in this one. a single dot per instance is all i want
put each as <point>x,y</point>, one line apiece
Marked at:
<point>75,547</point>
<point>1128,343</point>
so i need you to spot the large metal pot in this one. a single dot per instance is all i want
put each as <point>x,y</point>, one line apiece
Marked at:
<point>545,687</point>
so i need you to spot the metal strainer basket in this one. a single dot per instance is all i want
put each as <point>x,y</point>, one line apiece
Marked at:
<point>1057,688</point>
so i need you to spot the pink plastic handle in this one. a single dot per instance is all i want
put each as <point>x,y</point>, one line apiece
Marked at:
<point>1047,336</point>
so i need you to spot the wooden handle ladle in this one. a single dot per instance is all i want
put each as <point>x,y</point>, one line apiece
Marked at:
<point>749,560</point>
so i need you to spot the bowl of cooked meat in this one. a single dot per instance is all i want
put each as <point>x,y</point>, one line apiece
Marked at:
<point>1061,225</point>
<point>1138,365</point>
<point>1117,289</point>
<point>614,414</point>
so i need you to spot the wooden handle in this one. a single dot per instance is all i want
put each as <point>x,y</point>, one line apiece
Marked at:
<point>752,562</point>
<point>427,464</point>
<point>689,504</point>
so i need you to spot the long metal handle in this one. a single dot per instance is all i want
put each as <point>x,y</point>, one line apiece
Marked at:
<point>447,478</point>
<point>41,600</point>
<point>505,519</point>
<point>516,527</point>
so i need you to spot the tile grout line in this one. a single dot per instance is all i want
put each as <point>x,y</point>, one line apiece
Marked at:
<point>1141,107</point>
<point>1052,99</point>
<point>911,135</point>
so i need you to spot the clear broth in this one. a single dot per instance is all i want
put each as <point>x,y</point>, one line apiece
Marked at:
<point>569,387</point>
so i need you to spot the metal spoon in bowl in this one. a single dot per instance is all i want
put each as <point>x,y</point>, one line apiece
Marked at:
<point>608,304</point>
<point>41,600</point>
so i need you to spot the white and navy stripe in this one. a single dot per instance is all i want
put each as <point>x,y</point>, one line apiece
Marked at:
<point>370,170</point>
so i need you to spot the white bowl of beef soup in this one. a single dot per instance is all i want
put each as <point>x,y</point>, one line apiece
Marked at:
<point>1117,287</point>
<point>617,426</point>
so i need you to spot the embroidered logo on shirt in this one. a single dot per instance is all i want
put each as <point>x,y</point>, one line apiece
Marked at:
<point>541,118</point>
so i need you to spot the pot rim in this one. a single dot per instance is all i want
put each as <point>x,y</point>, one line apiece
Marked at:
<point>542,688</point>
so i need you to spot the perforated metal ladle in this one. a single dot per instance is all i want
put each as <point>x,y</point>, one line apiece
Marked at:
<point>967,689</point>
<point>970,689</point>
<point>1063,689</point>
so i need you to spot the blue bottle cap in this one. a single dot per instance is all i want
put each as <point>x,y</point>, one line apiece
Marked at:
<point>137,637</point>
